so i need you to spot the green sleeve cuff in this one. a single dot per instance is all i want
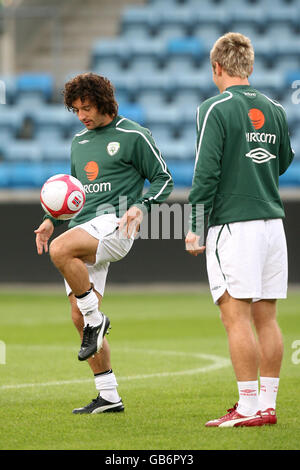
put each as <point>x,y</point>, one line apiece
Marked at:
<point>55,222</point>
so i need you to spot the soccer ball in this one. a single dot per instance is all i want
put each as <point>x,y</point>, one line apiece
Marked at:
<point>62,196</point>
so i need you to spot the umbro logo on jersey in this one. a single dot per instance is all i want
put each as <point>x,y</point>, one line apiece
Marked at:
<point>83,141</point>
<point>260,155</point>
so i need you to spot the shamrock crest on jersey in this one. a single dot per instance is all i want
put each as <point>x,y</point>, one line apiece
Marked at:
<point>113,148</point>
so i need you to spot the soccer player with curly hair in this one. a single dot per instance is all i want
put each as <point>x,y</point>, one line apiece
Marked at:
<point>112,157</point>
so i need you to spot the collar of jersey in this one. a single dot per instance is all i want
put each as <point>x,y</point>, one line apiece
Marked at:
<point>239,87</point>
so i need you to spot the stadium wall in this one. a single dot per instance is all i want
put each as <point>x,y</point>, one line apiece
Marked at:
<point>150,261</point>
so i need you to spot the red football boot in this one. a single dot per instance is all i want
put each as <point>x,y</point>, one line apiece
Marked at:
<point>234,419</point>
<point>268,416</point>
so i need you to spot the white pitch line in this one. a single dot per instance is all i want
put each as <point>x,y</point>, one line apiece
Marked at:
<point>218,363</point>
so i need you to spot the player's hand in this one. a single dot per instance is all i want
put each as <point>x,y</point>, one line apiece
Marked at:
<point>43,233</point>
<point>130,222</point>
<point>192,244</point>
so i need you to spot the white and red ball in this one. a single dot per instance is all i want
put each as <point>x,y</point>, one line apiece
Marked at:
<point>62,196</point>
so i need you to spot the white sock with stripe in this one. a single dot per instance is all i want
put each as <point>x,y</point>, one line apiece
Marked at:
<point>88,304</point>
<point>268,392</point>
<point>248,404</point>
<point>106,385</point>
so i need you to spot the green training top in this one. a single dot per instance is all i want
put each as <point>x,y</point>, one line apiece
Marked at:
<point>113,162</point>
<point>243,146</point>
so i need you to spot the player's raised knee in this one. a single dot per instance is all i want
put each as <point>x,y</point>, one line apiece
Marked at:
<point>58,251</point>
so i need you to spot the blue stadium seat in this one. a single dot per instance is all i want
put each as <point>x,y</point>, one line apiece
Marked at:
<point>125,83</point>
<point>286,64</point>
<point>159,82</point>
<point>264,48</point>
<point>177,149</point>
<point>143,65</point>
<point>6,135</point>
<point>35,82</point>
<point>292,110</point>
<point>211,14</point>
<point>291,76</point>
<point>104,48</point>
<point>188,133</point>
<point>145,16</point>
<point>25,175</point>
<point>136,32</point>
<point>57,150</point>
<point>51,116</point>
<point>161,134</point>
<point>30,99</point>
<point>180,65</point>
<point>132,111</point>
<point>182,16</point>
<point>152,98</point>
<point>48,135</point>
<point>168,116</point>
<point>153,49</point>
<point>166,32</point>
<point>286,47</point>
<point>198,82</point>
<point>209,32</point>
<point>252,14</point>
<point>187,99</point>
<point>22,150</point>
<point>107,66</point>
<point>5,174</point>
<point>11,118</point>
<point>189,46</point>
<point>268,81</point>
<point>283,14</point>
<point>182,172</point>
<point>276,31</point>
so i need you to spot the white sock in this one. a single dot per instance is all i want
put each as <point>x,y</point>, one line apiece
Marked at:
<point>106,385</point>
<point>88,305</point>
<point>248,398</point>
<point>268,392</point>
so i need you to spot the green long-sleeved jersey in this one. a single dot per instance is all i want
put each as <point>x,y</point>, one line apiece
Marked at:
<point>243,146</point>
<point>112,163</point>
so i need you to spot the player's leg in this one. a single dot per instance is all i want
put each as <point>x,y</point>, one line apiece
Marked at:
<point>100,362</point>
<point>274,286</point>
<point>269,337</point>
<point>69,252</point>
<point>271,353</point>
<point>108,398</point>
<point>236,317</point>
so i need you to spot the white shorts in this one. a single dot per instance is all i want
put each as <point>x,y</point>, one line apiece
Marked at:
<point>248,259</point>
<point>112,247</point>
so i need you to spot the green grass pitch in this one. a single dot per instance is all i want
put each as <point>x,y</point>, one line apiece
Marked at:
<point>170,356</point>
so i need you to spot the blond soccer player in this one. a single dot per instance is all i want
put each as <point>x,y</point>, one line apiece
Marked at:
<point>243,147</point>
